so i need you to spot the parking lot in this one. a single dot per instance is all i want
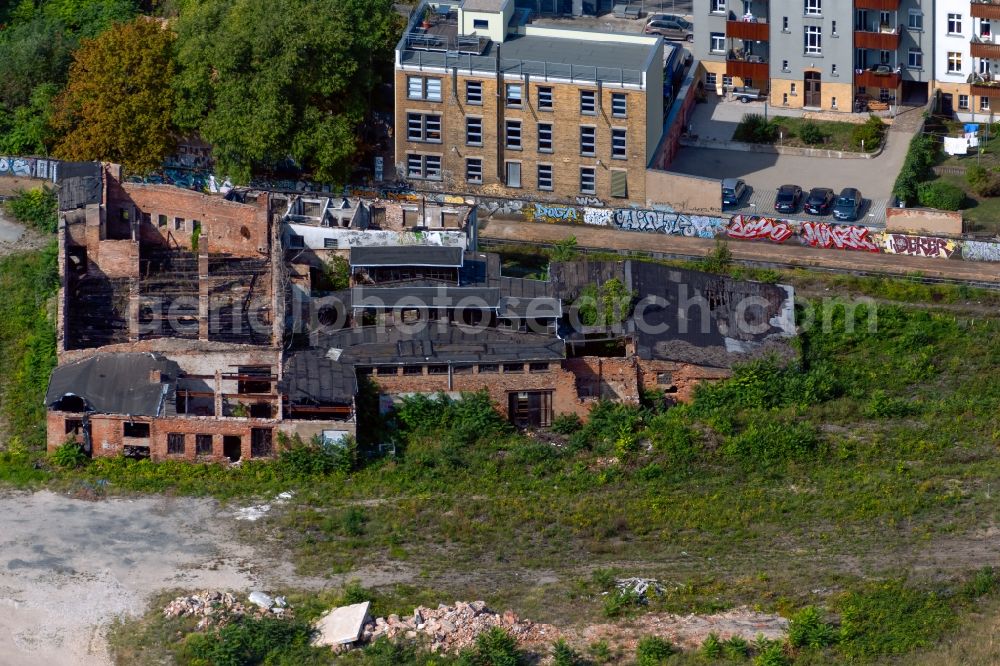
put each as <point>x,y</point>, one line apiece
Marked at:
<point>765,172</point>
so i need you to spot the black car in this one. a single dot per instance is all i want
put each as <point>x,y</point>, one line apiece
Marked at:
<point>848,206</point>
<point>788,199</point>
<point>819,201</point>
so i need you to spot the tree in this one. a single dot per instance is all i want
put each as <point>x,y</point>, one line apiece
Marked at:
<point>26,130</point>
<point>268,80</point>
<point>118,103</point>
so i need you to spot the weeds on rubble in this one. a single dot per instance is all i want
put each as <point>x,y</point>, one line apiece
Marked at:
<point>69,456</point>
<point>35,208</point>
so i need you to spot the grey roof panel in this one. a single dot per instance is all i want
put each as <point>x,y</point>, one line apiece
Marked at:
<point>117,383</point>
<point>310,377</point>
<point>407,255</point>
<point>425,298</point>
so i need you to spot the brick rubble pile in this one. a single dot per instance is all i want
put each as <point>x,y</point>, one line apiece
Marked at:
<point>217,608</point>
<point>453,628</point>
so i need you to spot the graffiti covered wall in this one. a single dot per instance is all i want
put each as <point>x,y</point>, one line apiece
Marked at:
<point>29,167</point>
<point>920,246</point>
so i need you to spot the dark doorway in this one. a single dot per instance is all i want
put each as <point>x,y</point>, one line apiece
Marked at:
<point>813,96</point>
<point>947,105</point>
<point>260,443</point>
<point>530,408</point>
<point>232,447</point>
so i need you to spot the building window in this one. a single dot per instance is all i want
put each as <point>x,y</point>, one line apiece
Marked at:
<point>545,137</point>
<point>296,242</point>
<point>423,127</point>
<point>984,103</point>
<point>784,99</point>
<point>813,7</point>
<point>203,445</point>
<point>791,89</point>
<point>545,98</point>
<point>488,368</point>
<point>161,220</point>
<point>474,170</point>
<point>915,59</point>
<point>954,24</point>
<point>423,167</point>
<point>538,367</point>
<point>727,81</point>
<point>588,180</point>
<point>420,87</point>
<point>260,443</point>
<point>512,134</point>
<point>175,443</point>
<point>474,131</point>
<point>954,62</point>
<point>717,43</point>
<point>513,367</point>
<point>588,141</point>
<point>480,24</point>
<point>545,177</point>
<point>710,79</point>
<point>588,102</point>
<point>619,184</point>
<point>784,24</point>
<point>618,146</point>
<point>410,370</point>
<point>984,66</point>
<point>474,92</point>
<point>513,174</point>
<point>331,243</point>
<point>718,6</point>
<point>514,94</point>
<point>915,20</point>
<point>833,28</point>
<point>833,69</point>
<point>963,102</point>
<point>619,107</point>
<point>814,40</point>
<point>784,66</point>
<point>833,102</point>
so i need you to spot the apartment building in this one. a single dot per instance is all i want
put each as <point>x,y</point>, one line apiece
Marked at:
<point>967,60</point>
<point>818,54</point>
<point>489,104</point>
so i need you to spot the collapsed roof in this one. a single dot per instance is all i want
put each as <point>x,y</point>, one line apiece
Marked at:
<point>136,384</point>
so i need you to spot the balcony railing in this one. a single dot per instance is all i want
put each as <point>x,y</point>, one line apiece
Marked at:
<point>750,67</point>
<point>879,37</point>
<point>755,30</point>
<point>984,49</point>
<point>881,5</point>
<point>985,9</point>
<point>877,79</point>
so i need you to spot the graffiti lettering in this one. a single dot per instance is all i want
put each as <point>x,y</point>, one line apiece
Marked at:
<point>545,213</point>
<point>655,221</point>
<point>820,234</point>
<point>602,217</point>
<point>919,246</point>
<point>589,201</point>
<point>759,228</point>
<point>28,167</point>
<point>980,251</point>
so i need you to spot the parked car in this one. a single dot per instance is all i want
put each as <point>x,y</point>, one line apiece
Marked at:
<point>848,206</point>
<point>733,191</point>
<point>672,29</point>
<point>819,201</point>
<point>667,17</point>
<point>745,94</point>
<point>788,198</point>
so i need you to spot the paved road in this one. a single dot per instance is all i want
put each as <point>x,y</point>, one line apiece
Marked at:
<point>795,255</point>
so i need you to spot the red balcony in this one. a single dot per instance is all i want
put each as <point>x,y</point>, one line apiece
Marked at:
<point>985,9</point>
<point>986,89</point>
<point>757,32</point>
<point>870,79</point>
<point>883,5</point>
<point>982,49</point>
<point>883,41</point>
<point>757,71</point>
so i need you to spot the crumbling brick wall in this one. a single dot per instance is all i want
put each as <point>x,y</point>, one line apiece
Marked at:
<point>677,379</point>
<point>609,378</point>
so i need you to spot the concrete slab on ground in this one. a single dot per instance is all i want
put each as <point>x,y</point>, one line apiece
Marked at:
<point>343,625</point>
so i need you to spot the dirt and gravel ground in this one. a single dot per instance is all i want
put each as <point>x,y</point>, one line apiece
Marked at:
<point>15,237</point>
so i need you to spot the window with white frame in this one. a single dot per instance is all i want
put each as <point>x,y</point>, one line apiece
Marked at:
<point>512,134</point>
<point>718,6</point>
<point>545,98</point>
<point>545,137</point>
<point>474,131</point>
<point>474,170</point>
<point>474,92</point>
<point>915,59</point>
<point>588,140</point>
<point>588,180</point>
<point>814,40</point>
<point>423,127</point>
<point>588,102</point>
<point>985,30</point>
<point>710,79</point>
<point>423,167</point>
<point>915,20</point>
<point>813,7</point>
<point>963,102</point>
<point>727,81</point>
<point>513,170</point>
<point>545,176</point>
<point>619,108</point>
<point>513,94</point>
<point>954,62</point>
<point>954,24</point>
<point>984,103</point>
<point>717,42</point>
<point>984,66</point>
<point>618,143</point>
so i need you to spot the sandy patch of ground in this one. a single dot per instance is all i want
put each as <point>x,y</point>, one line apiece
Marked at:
<point>14,237</point>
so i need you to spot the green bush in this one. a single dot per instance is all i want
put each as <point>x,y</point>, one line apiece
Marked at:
<point>807,629</point>
<point>976,175</point>
<point>766,443</point>
<point>493,648</point>
<point>941,195</point>
<point>736,648</point>
<point>883,406</point>
<point>771,655</point>
<point>299,459</point>
<point>983,582</point>
<point>653,651</point>
<point>36,208</point>
<point>567,424</point>
<point>920,157</point>
<point>466,420</point>
<point>711,647</point>
<point>564,655</point>
<point>871,132</point>
<point>755,128</point>
<point>69,456</point>
<point>811,134</point>
<point>272,641</point>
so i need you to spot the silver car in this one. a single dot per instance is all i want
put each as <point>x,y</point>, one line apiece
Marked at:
<point>672,29</point>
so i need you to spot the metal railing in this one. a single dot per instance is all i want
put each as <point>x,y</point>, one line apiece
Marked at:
<point>534,68</point>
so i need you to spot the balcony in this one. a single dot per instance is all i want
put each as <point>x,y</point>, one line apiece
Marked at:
<point>881,76</point>
<point>882,38</point>
<point>752,67</point>
<point>982,49</point>
<point>985,9</point>
<point>881,5</point>
<point>756,30</point>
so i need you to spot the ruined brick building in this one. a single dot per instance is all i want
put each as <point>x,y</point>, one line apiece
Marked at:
<point>199,327</point>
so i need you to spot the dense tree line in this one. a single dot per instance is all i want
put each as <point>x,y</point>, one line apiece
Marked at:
<point>265,82</point>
